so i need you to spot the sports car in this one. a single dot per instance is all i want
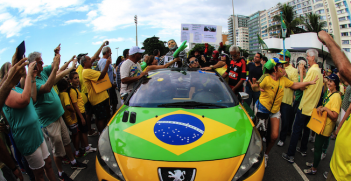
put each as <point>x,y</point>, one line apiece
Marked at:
<point>180,125</point>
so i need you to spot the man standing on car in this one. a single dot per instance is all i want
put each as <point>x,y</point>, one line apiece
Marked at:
<point>131,70</point>
<point>236,70</point>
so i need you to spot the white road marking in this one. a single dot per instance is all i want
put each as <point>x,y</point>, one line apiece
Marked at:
<point>76,172</point>
<point>300,172</point>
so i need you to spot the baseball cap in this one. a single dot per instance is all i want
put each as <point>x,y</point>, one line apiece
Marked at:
<point>287,53</point>
<point>329,70</point>
<point>81,55</point>
<point>335,70</point>
<point>271,63</point>
<point>334,78</point>
<point>135,49</point>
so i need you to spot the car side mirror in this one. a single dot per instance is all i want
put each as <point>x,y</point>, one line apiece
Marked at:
<point>244,95</point>
<point>124,96</point>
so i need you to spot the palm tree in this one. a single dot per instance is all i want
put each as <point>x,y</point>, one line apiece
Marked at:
<point>291,21</point>
<point>312,22</point>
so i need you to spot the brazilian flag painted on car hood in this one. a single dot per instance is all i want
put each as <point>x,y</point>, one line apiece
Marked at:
<point>176,134</point>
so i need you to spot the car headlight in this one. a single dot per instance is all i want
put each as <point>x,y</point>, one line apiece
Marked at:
<point>106,157</point>
<point>253,157</point>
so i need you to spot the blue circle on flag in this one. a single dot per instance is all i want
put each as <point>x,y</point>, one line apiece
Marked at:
<point>179,129</point>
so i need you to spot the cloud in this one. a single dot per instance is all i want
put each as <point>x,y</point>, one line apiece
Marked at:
<point>2,50</point>
<point>120,39</point>
<point>12,41</point>
<point>15,15</point>
<point>90,16</point>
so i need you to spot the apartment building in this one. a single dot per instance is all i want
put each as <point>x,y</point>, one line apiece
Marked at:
<point>239,21</point>
<point>242,37</point>
<point>266,20</point>
<point>343,17</point>
<point>254,29</point>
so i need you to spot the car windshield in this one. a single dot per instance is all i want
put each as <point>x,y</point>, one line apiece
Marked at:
<point>197,89</point>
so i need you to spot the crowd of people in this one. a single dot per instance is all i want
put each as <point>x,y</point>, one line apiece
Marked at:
<point>61,103</point>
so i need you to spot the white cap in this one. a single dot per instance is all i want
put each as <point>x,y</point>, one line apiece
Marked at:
<point>135,49</point>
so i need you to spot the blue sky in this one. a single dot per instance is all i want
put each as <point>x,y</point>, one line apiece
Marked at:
<point>81,26</point>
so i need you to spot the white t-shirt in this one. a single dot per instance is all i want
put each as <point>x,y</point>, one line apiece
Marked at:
<point>129,69</point>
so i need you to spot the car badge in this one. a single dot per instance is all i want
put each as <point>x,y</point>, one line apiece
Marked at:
<point>177,174</point>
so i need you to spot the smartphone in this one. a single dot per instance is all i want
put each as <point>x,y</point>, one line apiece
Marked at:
<point>21,50</point>
<point>35,68</point>
<point>106,43</point>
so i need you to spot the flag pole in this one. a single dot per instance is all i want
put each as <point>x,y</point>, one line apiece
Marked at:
<point>283,32</point>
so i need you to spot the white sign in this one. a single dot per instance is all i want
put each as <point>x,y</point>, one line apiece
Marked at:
<point>198,33</point>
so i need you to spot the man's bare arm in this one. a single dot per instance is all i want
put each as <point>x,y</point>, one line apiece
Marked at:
<point>51,80</point>
<point>339,58</point>
<point>60,75</point>
<point>97,53</point>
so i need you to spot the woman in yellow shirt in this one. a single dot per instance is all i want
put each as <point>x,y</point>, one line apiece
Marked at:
<point>332,105</point>
<point>272,85</point>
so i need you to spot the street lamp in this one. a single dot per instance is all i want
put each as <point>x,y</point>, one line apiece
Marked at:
<point>136,28</point>
<point>117,51</point>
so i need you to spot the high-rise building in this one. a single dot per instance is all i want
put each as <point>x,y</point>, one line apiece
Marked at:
<point>344,24</point>
<point>254,29</point>
<point>239,21</point>
<point>266,20</point>
<point>242,38</point>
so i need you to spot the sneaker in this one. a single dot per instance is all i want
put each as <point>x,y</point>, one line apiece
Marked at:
<point>325,175</point>
<point>65,160</point>
<point>309,164</point>
<point>302,153</point>
<point>310,171</point>
<point>323,156</point>
<point>265,160</point>
<point>280,143</point>
<point>264,139</point>
<point>79,165</point>
<point>290,159</point>
<point>91,150</point>
<point>82,153</point>
<point>64,177</point>
<point>93,134</point>
<point>312,149</point>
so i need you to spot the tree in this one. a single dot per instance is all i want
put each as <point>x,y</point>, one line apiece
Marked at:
<point>150,44</point>
<point>201,47</point>
<point>291,21</point>
<point>312,22</point>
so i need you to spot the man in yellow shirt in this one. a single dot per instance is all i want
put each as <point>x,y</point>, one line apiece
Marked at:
<point>99,101</point>
<point>340,162</point>
<point>286,108</point>
<point>309,101</point>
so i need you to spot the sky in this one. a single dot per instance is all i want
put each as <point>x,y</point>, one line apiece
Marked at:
<point>81,26</point>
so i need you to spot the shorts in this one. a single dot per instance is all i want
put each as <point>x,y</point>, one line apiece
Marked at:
<point>88,107</point>
<point>82,128</point>
<point>100,110</point>
<point>113,96</point>
<point>36,159</point>
<point>260,108</point>
<point>59,137</point>
<point>73,128</point>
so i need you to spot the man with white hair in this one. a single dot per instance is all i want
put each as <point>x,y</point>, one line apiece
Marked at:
<point>236,70</point>
<point>309,101</point>
<point>50,111</point>
<point>106,53</point>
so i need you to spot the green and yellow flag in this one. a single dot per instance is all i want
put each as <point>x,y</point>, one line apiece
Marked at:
<point>261,42</point>
<point>283,25</point>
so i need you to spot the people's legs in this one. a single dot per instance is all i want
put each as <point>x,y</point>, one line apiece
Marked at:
<point>36,161</point>
<point>101,112</point>
<point>255,96</point>
<point>54,133</point>
<point>7,172</point>
<point>28,170</point>
<point>297,130</point>
<point>318,144</point>
<point>325,146</point>
<point>274,133</point>
<point>39,174</point>
<point>285,120</point>
<point>306,133</point>
<point>76,141</point>
<point>331,177</point>
<point>48,169</point>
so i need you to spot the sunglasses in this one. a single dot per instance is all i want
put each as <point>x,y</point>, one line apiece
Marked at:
<point>192,62</point>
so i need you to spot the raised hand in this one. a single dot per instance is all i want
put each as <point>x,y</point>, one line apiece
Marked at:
<point>109,61</point>
<point>57,60</point>
<point>57,49</point>
<point>16,72</point>
<point>31,71</point>
<point>323,36</point>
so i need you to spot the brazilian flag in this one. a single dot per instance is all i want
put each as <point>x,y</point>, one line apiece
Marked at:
<point>283,26</point>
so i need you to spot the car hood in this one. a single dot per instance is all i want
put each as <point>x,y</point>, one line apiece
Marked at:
<point>176,134</point>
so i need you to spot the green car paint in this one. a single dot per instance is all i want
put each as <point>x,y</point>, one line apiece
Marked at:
<point>226,146</point>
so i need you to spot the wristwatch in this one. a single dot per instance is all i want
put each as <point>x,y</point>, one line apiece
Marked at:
<point>211,66</point>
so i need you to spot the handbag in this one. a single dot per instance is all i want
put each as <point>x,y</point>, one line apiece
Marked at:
<point>317,121</point>
<point>102,84</point>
